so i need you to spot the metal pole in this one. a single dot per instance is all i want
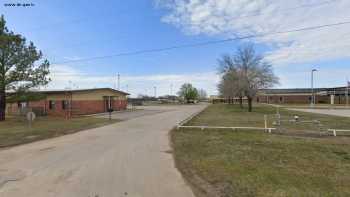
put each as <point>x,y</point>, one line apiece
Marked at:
<point>347,92</point>
<point>118,81</point>
<point>171,89</point>
<point>155,92</point>
<point>265,121</point>
<point>312,88</point>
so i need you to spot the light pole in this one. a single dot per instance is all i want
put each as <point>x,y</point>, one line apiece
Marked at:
<point>118,81</point>
<point>155,91</point>
<point>171,89</point>
<point>347,92</point>
<point>312,88</point>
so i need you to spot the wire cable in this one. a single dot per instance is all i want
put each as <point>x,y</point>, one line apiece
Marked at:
<point>202,43</point>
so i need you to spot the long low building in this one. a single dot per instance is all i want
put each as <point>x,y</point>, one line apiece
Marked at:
<point>73,102</point>
<point>335,95</point>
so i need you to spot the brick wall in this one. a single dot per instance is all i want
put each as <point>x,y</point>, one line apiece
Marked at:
<point>78,107</point>
<point>340,99</point>
<point>291,99</point>
<point>84,107</point>
<point>119,105</point>
<point>88,107</point>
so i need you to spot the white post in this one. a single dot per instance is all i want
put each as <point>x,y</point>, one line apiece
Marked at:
<point>265,120</point>
<point>312,89</point>
<point>332,99</point>
<point>347,93</point>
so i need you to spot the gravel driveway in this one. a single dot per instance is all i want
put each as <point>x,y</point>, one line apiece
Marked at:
<point>129,158</point>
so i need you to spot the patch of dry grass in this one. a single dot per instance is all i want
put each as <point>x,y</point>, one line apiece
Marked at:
<point>15,131</point>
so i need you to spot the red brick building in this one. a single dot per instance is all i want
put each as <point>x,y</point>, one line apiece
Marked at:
<point>75,102</point>
<point>303,96</point>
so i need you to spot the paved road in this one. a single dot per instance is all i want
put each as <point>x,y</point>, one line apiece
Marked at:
<point>140,111</point>
<point>129,158</point>
<point>334,112</point>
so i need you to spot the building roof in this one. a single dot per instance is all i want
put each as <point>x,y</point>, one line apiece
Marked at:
<point>322,91</point>
<point>79,90</point>
<point>292,90</point>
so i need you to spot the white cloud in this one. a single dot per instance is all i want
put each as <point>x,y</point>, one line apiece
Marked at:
<point>64,76</point>
<point>230,18</point>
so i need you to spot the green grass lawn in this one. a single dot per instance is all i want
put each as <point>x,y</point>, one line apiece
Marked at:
<point>316,106</point>
<point>232,115</point>
<point>15,131</point>
<point>254,163</point>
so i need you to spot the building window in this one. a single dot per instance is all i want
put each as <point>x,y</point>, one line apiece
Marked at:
<point>281,99</point>
<point>257,100</point>
<point>22,105</point>
<point>52,105</point>
<point>65,104</point>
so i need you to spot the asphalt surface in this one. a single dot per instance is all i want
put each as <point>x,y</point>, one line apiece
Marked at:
<point>334,112</point>
<point>129,158</point>
<point>138,112</point>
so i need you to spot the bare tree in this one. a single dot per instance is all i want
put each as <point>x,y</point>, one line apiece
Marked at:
<point>249,72</point>
<point>255,73</point>
<point>230,85</point>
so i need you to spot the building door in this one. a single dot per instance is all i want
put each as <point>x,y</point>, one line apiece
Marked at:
<point>108,102</point>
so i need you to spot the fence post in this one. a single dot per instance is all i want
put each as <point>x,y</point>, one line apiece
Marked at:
<point>265,121</point>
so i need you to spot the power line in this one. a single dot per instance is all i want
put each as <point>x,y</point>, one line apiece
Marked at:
<point>259,13</point>
<point>60,23</point>
<point>253,14</point>
<point>204,43</point>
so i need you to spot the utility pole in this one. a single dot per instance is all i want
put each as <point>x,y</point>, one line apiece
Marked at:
<point>70,84</point>
<point>312,88</point>
<point>118,79</point>
<point>155,92</point>
<point>347,92</point>
<point>114,83</point>
<point>171,89</point>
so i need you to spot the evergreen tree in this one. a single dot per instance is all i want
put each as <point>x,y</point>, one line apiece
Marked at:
<point>18,68</point>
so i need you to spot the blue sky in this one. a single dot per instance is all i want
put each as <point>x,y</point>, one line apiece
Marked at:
<point>70,30</point>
